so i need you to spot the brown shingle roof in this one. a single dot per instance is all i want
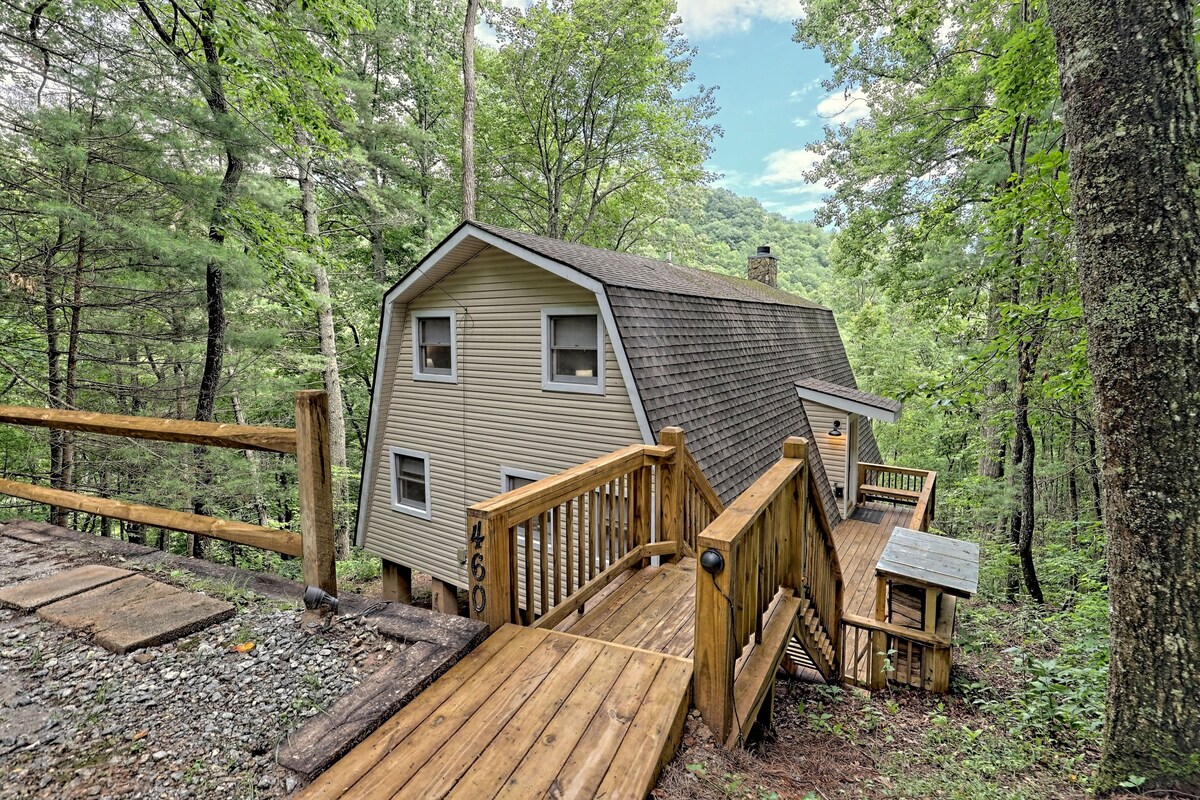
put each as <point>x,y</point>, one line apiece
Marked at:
<point>850,393</point>
<point>638,272</point>
<point>717,356</point>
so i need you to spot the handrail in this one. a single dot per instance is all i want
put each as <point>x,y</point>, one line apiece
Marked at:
<point>761,547</point>
<point>544,494</point>
<point>903,485</point>
<point>309,440</point>
<point>697,478</point>
<point>215,434</point>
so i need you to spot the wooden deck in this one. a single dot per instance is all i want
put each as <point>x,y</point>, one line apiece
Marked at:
<point>653,609</point>
<point>860,540</point>
<point>530,714</point>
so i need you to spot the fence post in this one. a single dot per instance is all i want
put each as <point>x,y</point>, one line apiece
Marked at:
<point>491,570</point>
<point>715,650</point>
<point>315,477</point>
<point>796,447</point>
<point>673,484</point>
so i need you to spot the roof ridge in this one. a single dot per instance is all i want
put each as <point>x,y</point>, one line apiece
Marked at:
<point>748,290</point>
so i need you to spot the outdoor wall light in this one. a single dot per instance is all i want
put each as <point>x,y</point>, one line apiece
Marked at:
<point>836,430</point>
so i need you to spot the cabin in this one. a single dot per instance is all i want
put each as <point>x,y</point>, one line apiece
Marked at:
<point>658,486</point>
<point>506,357</point>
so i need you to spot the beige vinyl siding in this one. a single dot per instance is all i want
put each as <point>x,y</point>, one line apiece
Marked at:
<point>497,414</point>
<point>832,448</point>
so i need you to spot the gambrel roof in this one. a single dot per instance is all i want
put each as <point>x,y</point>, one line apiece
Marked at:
<point>718,356</point>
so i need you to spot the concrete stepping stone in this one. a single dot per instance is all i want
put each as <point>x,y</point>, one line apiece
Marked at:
<point>136,612</point>
<point>32,595</point>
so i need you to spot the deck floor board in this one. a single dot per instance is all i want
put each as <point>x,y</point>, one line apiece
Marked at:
<point>530,712</point>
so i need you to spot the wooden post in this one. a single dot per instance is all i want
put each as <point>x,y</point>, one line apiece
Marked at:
<point>315,477</point>
<point>491,567</point>
<point>445,597</point>
<point>793,575</point>
<point>670,505</point>
<point>715,652</point>
<point>877,677</point>
<point>397,582</point>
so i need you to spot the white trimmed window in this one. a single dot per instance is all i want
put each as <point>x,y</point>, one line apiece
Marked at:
<point>435,356</point>
<point>514,479</point>
<point>410,482</point>
<point>572,350</point>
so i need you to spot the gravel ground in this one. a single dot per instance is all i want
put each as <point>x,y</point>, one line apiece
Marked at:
<point>193,718</point>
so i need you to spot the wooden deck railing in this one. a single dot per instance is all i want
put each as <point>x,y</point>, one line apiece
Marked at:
<point>914,487</point>
<point>873,652</point>
<point>823,586</point>
<point>538,553</point>
<point>700,503</point>
<point>309,440</point>
<point>767,569</point>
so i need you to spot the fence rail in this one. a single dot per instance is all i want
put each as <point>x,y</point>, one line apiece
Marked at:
<point>875,653</point>
<point>309,441</point>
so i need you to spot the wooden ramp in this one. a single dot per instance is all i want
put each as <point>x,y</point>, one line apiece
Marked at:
<point>531,713</point>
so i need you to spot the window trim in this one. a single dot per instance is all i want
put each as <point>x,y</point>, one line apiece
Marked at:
<point>529,475</point>
<point>435,313</point>
<point>548,382</point>
<point>524,474</point>
<point>425,513</point>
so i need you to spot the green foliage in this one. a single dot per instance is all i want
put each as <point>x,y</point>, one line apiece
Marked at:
<point>585,129</point>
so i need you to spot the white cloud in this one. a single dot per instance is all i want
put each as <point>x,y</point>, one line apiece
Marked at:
<point>847,107</point>
<point>802,209</point>
<point>702,18</point>
<point>796,95</point>
<point>787,167</point>
<point>730,179</point>
<point>800,122</point>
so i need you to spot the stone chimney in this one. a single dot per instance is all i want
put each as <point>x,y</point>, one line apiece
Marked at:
<point>763,267</point>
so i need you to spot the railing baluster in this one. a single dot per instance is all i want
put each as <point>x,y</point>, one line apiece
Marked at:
<point>528,570</point>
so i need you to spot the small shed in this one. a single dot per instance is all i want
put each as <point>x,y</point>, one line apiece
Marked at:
<point>918,580</point>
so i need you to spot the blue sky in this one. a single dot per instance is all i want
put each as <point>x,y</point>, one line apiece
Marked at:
<point>770,98</point>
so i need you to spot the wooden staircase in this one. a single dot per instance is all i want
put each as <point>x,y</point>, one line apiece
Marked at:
<point>818,645</point>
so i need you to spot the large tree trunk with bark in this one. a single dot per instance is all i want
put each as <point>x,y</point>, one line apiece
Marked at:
<point>1128,76</point>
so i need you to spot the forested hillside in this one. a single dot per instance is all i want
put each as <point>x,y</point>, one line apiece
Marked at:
<point>202,203</point>
<point>203,207</point>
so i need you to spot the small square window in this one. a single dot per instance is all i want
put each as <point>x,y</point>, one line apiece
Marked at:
<point>410,482</point>
<point>434,357</point>
<point>573,357</point>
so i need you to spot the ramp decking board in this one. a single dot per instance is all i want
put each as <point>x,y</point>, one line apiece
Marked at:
<point>527,711</point>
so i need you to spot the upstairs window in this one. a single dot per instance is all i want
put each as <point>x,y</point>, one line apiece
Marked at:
<point>434,356</point>
<point>573,350</point>
<point>410,482</point>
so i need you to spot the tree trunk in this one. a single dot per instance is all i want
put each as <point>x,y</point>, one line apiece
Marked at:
<point>253,457</point>
<point>327,342</point>
<point>1132,118</point>
<point>468,117</point>
<point>1028,514</point>
<point>1093,470</point>
<point>53,371</point>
